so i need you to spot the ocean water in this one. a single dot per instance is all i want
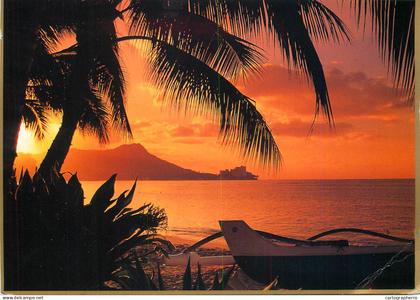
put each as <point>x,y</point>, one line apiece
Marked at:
<point>295,208</point>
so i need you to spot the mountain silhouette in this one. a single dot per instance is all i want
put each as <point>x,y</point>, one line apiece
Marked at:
<point>129,162</point>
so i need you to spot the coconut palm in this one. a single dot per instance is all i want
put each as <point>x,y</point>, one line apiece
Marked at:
<point>95,78</point>
<point>393,24</point>
<point>28,26</point>
<point>46,92</point>
<point>191,45</point>
<point>193,58</point>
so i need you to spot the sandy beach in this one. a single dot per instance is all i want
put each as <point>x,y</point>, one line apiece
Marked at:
<point>172,275</point>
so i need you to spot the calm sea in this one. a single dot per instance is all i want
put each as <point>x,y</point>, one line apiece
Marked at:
<point>297,208</point>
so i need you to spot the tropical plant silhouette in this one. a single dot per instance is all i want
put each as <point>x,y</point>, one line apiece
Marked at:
<point>29,27</point>
<point>193,64</point>
<point>393,24</point>
<point>93,82</point>
<point>132,276</point>
<point>56,242</point>
<point>197,48</point>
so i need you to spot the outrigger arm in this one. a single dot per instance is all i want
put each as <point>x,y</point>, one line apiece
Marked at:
<point>188,253</point>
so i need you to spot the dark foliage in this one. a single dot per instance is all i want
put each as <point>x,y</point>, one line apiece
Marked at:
<point>131,276</point>
<point>393,25</point>
<point>196,50</point>
<point>53,241</point>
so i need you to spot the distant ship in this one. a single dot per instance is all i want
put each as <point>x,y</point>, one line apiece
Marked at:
<point>238,173</point>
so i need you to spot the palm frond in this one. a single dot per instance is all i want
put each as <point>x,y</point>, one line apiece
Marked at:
<point>106,80</point>
<point>97,54</point>
<point>35,117</point>
<point>47,78</point>
<point>289,27</point>
<point>322,23</point>
<point>196,35</point>
<point>108,77</point>
<point>243,17</point>
<point>94,119</point>
<point>246,17</point>
<point>190,84</point>
<point>50,36</point>
<point>44,90</point>
<point>393,24</point>
<point>292,22</point>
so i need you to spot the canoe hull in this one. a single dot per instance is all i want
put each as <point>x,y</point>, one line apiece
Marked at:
<point>329,272</point>
<point>319,267</point>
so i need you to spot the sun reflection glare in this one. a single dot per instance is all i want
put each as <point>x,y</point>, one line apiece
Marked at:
<point>26,140</point>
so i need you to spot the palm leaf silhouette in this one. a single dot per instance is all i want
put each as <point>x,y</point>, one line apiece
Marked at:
<point>170,25</point>
<point>95,118</point>
<point>293,23</point>
<point>190,84</point>
<point>198,36</point>
<point>204,30</point>
<point>393,24</point>
<point>35,117</point>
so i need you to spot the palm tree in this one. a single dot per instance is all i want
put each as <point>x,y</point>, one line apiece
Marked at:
<point>393,24</point>
<point>50,78</point>
<point>94,78</point>
<point>207,50</point>
<point>193,57</point>
<point>28,27</point>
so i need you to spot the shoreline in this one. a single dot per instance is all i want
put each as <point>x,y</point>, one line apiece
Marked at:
<point>259,179</point>
<point>180,241</point>
<point>173,275</point>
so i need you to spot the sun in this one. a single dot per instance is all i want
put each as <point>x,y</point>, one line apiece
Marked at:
<point>26,140</point>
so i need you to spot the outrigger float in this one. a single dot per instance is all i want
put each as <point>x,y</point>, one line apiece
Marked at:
<point>310,264</point>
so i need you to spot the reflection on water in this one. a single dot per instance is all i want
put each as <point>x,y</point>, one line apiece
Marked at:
<point>298,208</point>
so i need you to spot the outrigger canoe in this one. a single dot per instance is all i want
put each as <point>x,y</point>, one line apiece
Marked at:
<point>309,264</point>
<point>320,265</point>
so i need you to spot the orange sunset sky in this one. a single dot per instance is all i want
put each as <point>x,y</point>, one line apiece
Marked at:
<point>373,137</point>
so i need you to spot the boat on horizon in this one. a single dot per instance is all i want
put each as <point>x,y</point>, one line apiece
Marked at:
<point>238,173</point>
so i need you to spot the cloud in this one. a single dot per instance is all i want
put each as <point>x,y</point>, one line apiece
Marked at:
<point>187,132</point>
<point>195,130</point>
<point>356,94</point>
<point>299,128</point>
<point>182,131</point>
<point>138,125</point>
<point>208,130</point>
<point>353,94</point>
<point>191,141</point>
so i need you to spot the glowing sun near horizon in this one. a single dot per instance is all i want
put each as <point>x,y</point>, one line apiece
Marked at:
<point>26,140</point>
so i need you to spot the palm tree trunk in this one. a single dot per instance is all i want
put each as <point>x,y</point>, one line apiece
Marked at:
<point>57,153</point>
<point>72,112</point>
